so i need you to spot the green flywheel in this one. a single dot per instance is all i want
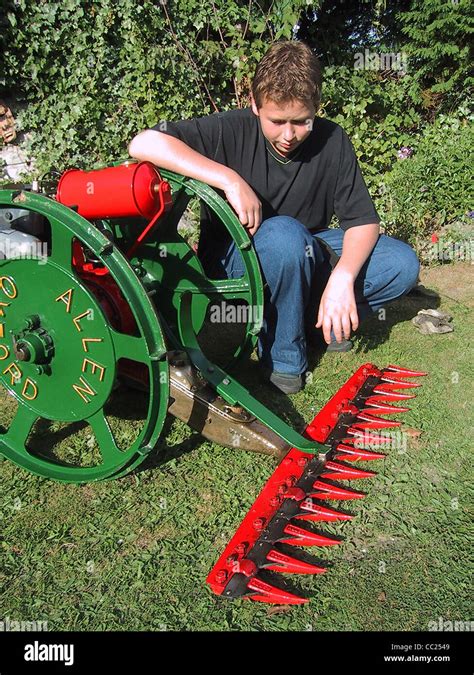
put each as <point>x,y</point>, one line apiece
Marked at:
<point>59,352</point>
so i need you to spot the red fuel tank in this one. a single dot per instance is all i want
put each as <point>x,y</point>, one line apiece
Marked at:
<point>129,189</point>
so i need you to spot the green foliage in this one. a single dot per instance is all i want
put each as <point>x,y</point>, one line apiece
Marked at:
<point>433,188</point>
<point>435,35</point>
<point>91,74</point>
<point>94,73</point>
<point>377,113</point>
<point>438,42</point>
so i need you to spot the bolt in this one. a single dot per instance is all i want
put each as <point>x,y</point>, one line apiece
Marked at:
<point>210,369</point>
<point>221,576</point>
<point>275,501</point>
<point>22,352</point>
<point>241,549</point>
<point>325,430</point>
<point>259,524</point>
<point>226,381</point>
<point>232,559</point>
<point>287,461</point>
<point>302,461</point>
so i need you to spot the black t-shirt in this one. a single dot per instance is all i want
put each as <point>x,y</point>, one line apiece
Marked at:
<point>318,179</point>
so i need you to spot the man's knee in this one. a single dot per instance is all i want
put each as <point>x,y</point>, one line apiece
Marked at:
<point>404,265</point>
<point>409,268</point>
<point>288,239</point>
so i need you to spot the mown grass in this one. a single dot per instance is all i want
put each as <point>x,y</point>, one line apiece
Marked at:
<point>133,554</point>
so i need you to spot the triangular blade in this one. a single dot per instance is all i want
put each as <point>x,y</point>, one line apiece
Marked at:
<point>329,491</point>
<point>383,409</point>
<point>405,371</point>
<point>269,593</point>
<point>350,454</point>
<point>366,421</point>
<point>391,386</point>
<point>298,536</point>
<point>340,472</point>
<point>390,396</point>
<point>312,510</point>
<point>400,384</point>
<point>289,564</point>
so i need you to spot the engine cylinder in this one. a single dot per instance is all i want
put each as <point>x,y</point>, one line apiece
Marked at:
<point>130,189</point>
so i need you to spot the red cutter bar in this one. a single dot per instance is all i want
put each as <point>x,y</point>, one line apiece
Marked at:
<point>302,484</point>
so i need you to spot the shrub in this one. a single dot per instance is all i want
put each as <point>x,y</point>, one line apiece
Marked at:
<point>431,189</point>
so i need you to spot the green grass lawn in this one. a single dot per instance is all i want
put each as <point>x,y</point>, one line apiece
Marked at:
<point>133,554</point>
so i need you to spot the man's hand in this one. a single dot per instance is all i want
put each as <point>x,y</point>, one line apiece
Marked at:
<point>245,202</point>
<point>338,309</point>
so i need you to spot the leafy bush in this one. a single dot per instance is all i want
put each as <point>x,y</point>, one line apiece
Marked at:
<point>438,36</point>
<point>89,74</point>
<point>93,73</point>
<point>432,189</point>
<point>377,113</point>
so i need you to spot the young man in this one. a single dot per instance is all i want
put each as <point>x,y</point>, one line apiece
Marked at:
<point>286,173</point>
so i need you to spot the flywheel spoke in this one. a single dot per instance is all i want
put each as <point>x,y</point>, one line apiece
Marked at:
<point>108,448</point>
<point>20,428</point>
<point>130,347</point>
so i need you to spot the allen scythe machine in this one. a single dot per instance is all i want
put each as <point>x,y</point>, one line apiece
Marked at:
<point>96,287</point>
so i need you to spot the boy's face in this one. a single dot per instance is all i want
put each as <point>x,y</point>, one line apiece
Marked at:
<point>285,125</point>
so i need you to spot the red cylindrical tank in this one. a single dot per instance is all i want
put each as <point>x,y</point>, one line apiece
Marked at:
<point>129,189</point>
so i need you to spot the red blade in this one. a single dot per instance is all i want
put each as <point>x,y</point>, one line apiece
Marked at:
<point>301,537</point>
<point>315,512</point>
<point>392,379</point>
<point>341,472</point>
<point>391,386</point>
<point>351,454</point>
<point>286,563</point>
<point>405,371</point>
<point>374,422</point>
<point>328,491</point>
<point>269,593</point>
<point>383,409</point>
<point>388,396</point>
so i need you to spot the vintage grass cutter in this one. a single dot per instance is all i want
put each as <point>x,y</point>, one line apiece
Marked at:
<point>97,286</point>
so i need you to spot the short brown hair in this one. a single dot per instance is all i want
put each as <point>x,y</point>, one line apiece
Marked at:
<point>289,70</point>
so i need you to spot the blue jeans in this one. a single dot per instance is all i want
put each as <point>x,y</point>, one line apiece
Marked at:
<point>295,265</point>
